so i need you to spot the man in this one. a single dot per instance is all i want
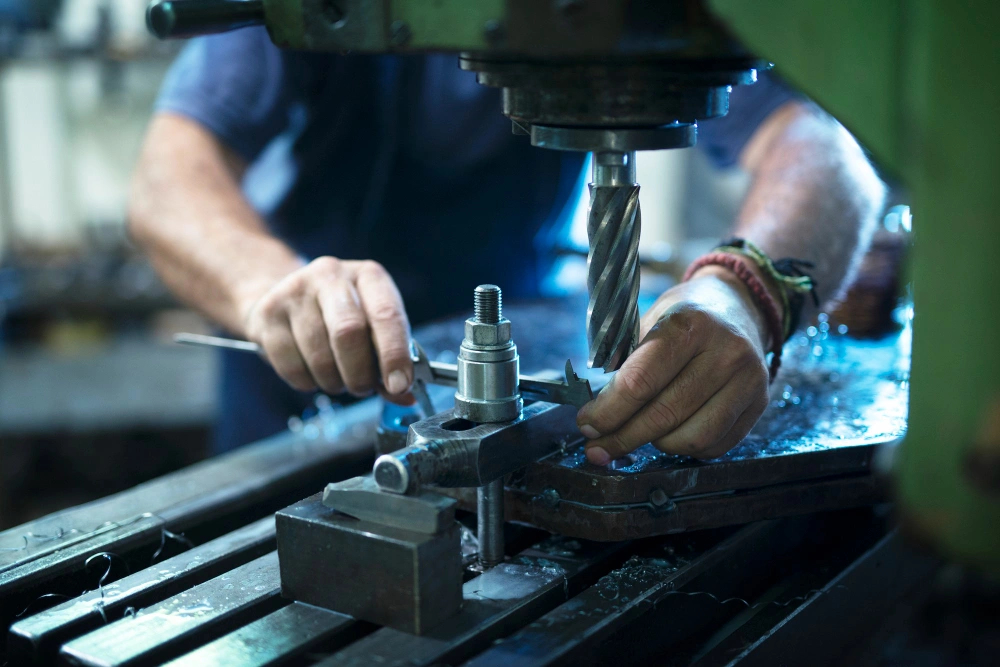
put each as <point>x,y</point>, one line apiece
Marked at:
<point>358,173</point>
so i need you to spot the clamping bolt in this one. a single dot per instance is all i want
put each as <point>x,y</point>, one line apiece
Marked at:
<point>488,364</point>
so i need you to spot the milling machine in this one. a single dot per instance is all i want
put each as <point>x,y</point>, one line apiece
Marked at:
<point>605,77</point>
<point>609,79</point>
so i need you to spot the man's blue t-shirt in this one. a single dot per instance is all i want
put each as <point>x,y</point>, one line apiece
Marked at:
<point>406,160</point>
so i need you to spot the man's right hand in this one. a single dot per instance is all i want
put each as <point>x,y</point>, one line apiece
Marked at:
<point>334,325</point>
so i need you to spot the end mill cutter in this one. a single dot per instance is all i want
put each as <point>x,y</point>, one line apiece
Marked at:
<point>613,262</point>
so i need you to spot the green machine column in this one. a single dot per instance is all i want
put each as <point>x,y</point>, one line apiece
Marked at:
<point>915,80</point>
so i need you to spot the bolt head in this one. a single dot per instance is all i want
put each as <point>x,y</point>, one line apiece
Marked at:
<point>487,335</point>
<point>391,474</point>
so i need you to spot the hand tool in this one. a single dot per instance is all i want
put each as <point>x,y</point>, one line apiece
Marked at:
<point>569,391</point>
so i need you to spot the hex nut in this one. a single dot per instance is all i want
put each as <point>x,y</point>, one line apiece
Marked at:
<point>487,335</point>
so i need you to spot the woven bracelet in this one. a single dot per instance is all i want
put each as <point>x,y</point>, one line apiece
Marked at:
<point>741,267</point>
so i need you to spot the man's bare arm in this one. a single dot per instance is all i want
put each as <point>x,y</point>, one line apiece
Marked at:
<point>187,211</point>
<point>332,324</point>
<point>813,195</point>
<point>698,382</point>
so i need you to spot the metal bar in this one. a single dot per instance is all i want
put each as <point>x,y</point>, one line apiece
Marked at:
<point>200,340</point>
<point>210,498</point>
<point>64,572</point>
<point>193,617</point>
<point>38,637</point>
<point>490,522</point>
<point>496,602</point>
<point>278,637</point>
<point>609,486</point>
<point>475,454</point>
<point>624,522</point>
<point>624,598</point>
<point>859,598</point>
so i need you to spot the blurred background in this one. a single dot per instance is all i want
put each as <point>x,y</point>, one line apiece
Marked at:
<point>93,397</point>
<point>91,400</point>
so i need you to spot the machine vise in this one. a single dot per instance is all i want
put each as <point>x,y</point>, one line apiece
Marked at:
<point>384,547</point>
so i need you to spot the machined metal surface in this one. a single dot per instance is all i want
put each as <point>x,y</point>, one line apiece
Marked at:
<point>361,498</point>
<point>489,521</point>
<point>613,103</point>
<point>48,556</point>
<point>165,630</point>
<point>568,391</point>
<point>37,638</point>
<point>613,225</point>
<point>488,367</point>
<point>504,597</point>
<point>836,401</point>
<point>280,636</point>
<point>404,579</point>
<point>449,451</point>
<point>674,135</point>
<point>566,600</point>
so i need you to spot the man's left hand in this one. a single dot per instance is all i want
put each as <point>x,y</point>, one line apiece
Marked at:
<point>695,385</point>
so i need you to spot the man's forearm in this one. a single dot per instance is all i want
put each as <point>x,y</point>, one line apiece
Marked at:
<point>188,212</point>
<point>813,195</point>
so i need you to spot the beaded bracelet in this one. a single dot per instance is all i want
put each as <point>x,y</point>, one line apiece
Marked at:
<point>792,282</point>
<point>787,274</point>
<point>740,266</point>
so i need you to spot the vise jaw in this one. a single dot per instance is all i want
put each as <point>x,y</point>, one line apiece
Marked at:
<point>389,559</point>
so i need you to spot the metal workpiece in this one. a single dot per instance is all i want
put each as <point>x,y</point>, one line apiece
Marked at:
<point>489,522</point>
<point>569,390</point>
<point>449,451</point>
<point>404,579</point>
<point>613,226</point>
<point>486,388</point>
<point>361,498</point>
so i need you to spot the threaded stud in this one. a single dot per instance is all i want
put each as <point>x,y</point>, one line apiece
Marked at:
<point>488,304</point>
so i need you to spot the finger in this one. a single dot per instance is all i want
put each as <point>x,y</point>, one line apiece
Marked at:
<point>740,429</point>
<point>390,329</point>
<point>721,423</point>
<point>284,356</point>
<point>653,365</point>
<point>313,341</point>
<point>405,399</point>
<point>695,386</point>
<point>349,337</point>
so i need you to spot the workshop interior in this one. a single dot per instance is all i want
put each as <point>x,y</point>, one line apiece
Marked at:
<point>857,523</point>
